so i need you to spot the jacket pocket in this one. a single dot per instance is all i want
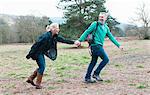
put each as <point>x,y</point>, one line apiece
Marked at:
<point>52,54</point>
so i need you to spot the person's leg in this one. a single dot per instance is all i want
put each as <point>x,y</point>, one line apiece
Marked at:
<point>103,63</point>
<point>32,77</point>
<point>41,63</point>
<point>91,66</point>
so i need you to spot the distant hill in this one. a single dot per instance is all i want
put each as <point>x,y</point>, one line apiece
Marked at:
<point>59,20</point>
<point>123,28</point>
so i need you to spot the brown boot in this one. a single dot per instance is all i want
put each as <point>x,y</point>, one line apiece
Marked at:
<point>38,81</point>
<point>32,77</point>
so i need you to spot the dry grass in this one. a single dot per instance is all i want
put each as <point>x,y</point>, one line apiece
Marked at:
<point>127,73</point>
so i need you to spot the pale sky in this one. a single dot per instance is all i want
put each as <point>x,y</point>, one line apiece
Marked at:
<point>30,7</point>
<point>122,10</point>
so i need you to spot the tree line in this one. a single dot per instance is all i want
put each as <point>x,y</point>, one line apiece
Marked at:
<point>78,15</point>
<point>24,30</point>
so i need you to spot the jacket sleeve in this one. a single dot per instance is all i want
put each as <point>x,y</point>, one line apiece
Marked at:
<point>63,40</point>
<point>87,32</point>
<point>111,37</point>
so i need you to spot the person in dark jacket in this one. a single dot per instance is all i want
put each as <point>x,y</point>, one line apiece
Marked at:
<point>46,44</point>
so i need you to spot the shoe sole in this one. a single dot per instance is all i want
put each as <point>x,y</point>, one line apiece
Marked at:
<point>89,82</point>
<point>96,79</point>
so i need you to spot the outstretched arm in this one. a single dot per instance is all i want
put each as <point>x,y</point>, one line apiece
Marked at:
<point>64,40</point>
<point>87,32</point>
<point>111,37</point>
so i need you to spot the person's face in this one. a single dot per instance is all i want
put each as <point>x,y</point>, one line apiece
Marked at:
<point>55,30</point>
<point>102,19</point>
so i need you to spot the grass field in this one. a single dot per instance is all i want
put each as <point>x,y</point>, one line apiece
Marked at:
<point>128,72</point>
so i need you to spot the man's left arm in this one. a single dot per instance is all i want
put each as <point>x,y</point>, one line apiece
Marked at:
<point>112,38</point>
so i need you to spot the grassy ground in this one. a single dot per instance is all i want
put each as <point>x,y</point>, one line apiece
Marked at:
<point>128,72</point>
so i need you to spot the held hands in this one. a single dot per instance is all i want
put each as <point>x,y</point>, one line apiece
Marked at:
<point>121,48</point>
<point>77,43</point>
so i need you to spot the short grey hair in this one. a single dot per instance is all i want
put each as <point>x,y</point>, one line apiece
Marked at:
<point>105,14</point>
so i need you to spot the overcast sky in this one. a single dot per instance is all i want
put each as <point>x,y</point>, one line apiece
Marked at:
<point>122,10</point>
<point>27,7</point>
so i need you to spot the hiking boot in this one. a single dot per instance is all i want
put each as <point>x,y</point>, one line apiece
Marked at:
<point>31,82</point>
<point>97,77</point>
<point>38,81</point>
<point>89,81</point>
<point>32,77</point>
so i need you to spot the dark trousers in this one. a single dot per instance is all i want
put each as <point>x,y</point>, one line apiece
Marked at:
<point>41,63</point>
<point>97,51</point>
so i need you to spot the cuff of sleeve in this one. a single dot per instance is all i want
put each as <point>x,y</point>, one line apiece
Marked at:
<point>80,40</point>
<point>118,45</point>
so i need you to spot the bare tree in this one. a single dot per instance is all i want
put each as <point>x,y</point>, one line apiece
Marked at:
<point>142,17</point>
<point>4,31</point>
<point>29,27</point>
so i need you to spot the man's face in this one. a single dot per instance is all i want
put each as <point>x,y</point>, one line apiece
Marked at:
<point>102,18</point>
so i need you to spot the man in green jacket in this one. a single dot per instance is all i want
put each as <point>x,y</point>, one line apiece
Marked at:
<point>96,47</point>
<point>46,44</point>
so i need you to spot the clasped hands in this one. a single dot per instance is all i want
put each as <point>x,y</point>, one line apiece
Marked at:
<point>77,43</point>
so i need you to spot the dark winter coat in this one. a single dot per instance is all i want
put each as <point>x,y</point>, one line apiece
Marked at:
<point>47,44</point>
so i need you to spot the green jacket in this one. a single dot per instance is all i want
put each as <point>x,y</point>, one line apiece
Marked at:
<point>100,34</point>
